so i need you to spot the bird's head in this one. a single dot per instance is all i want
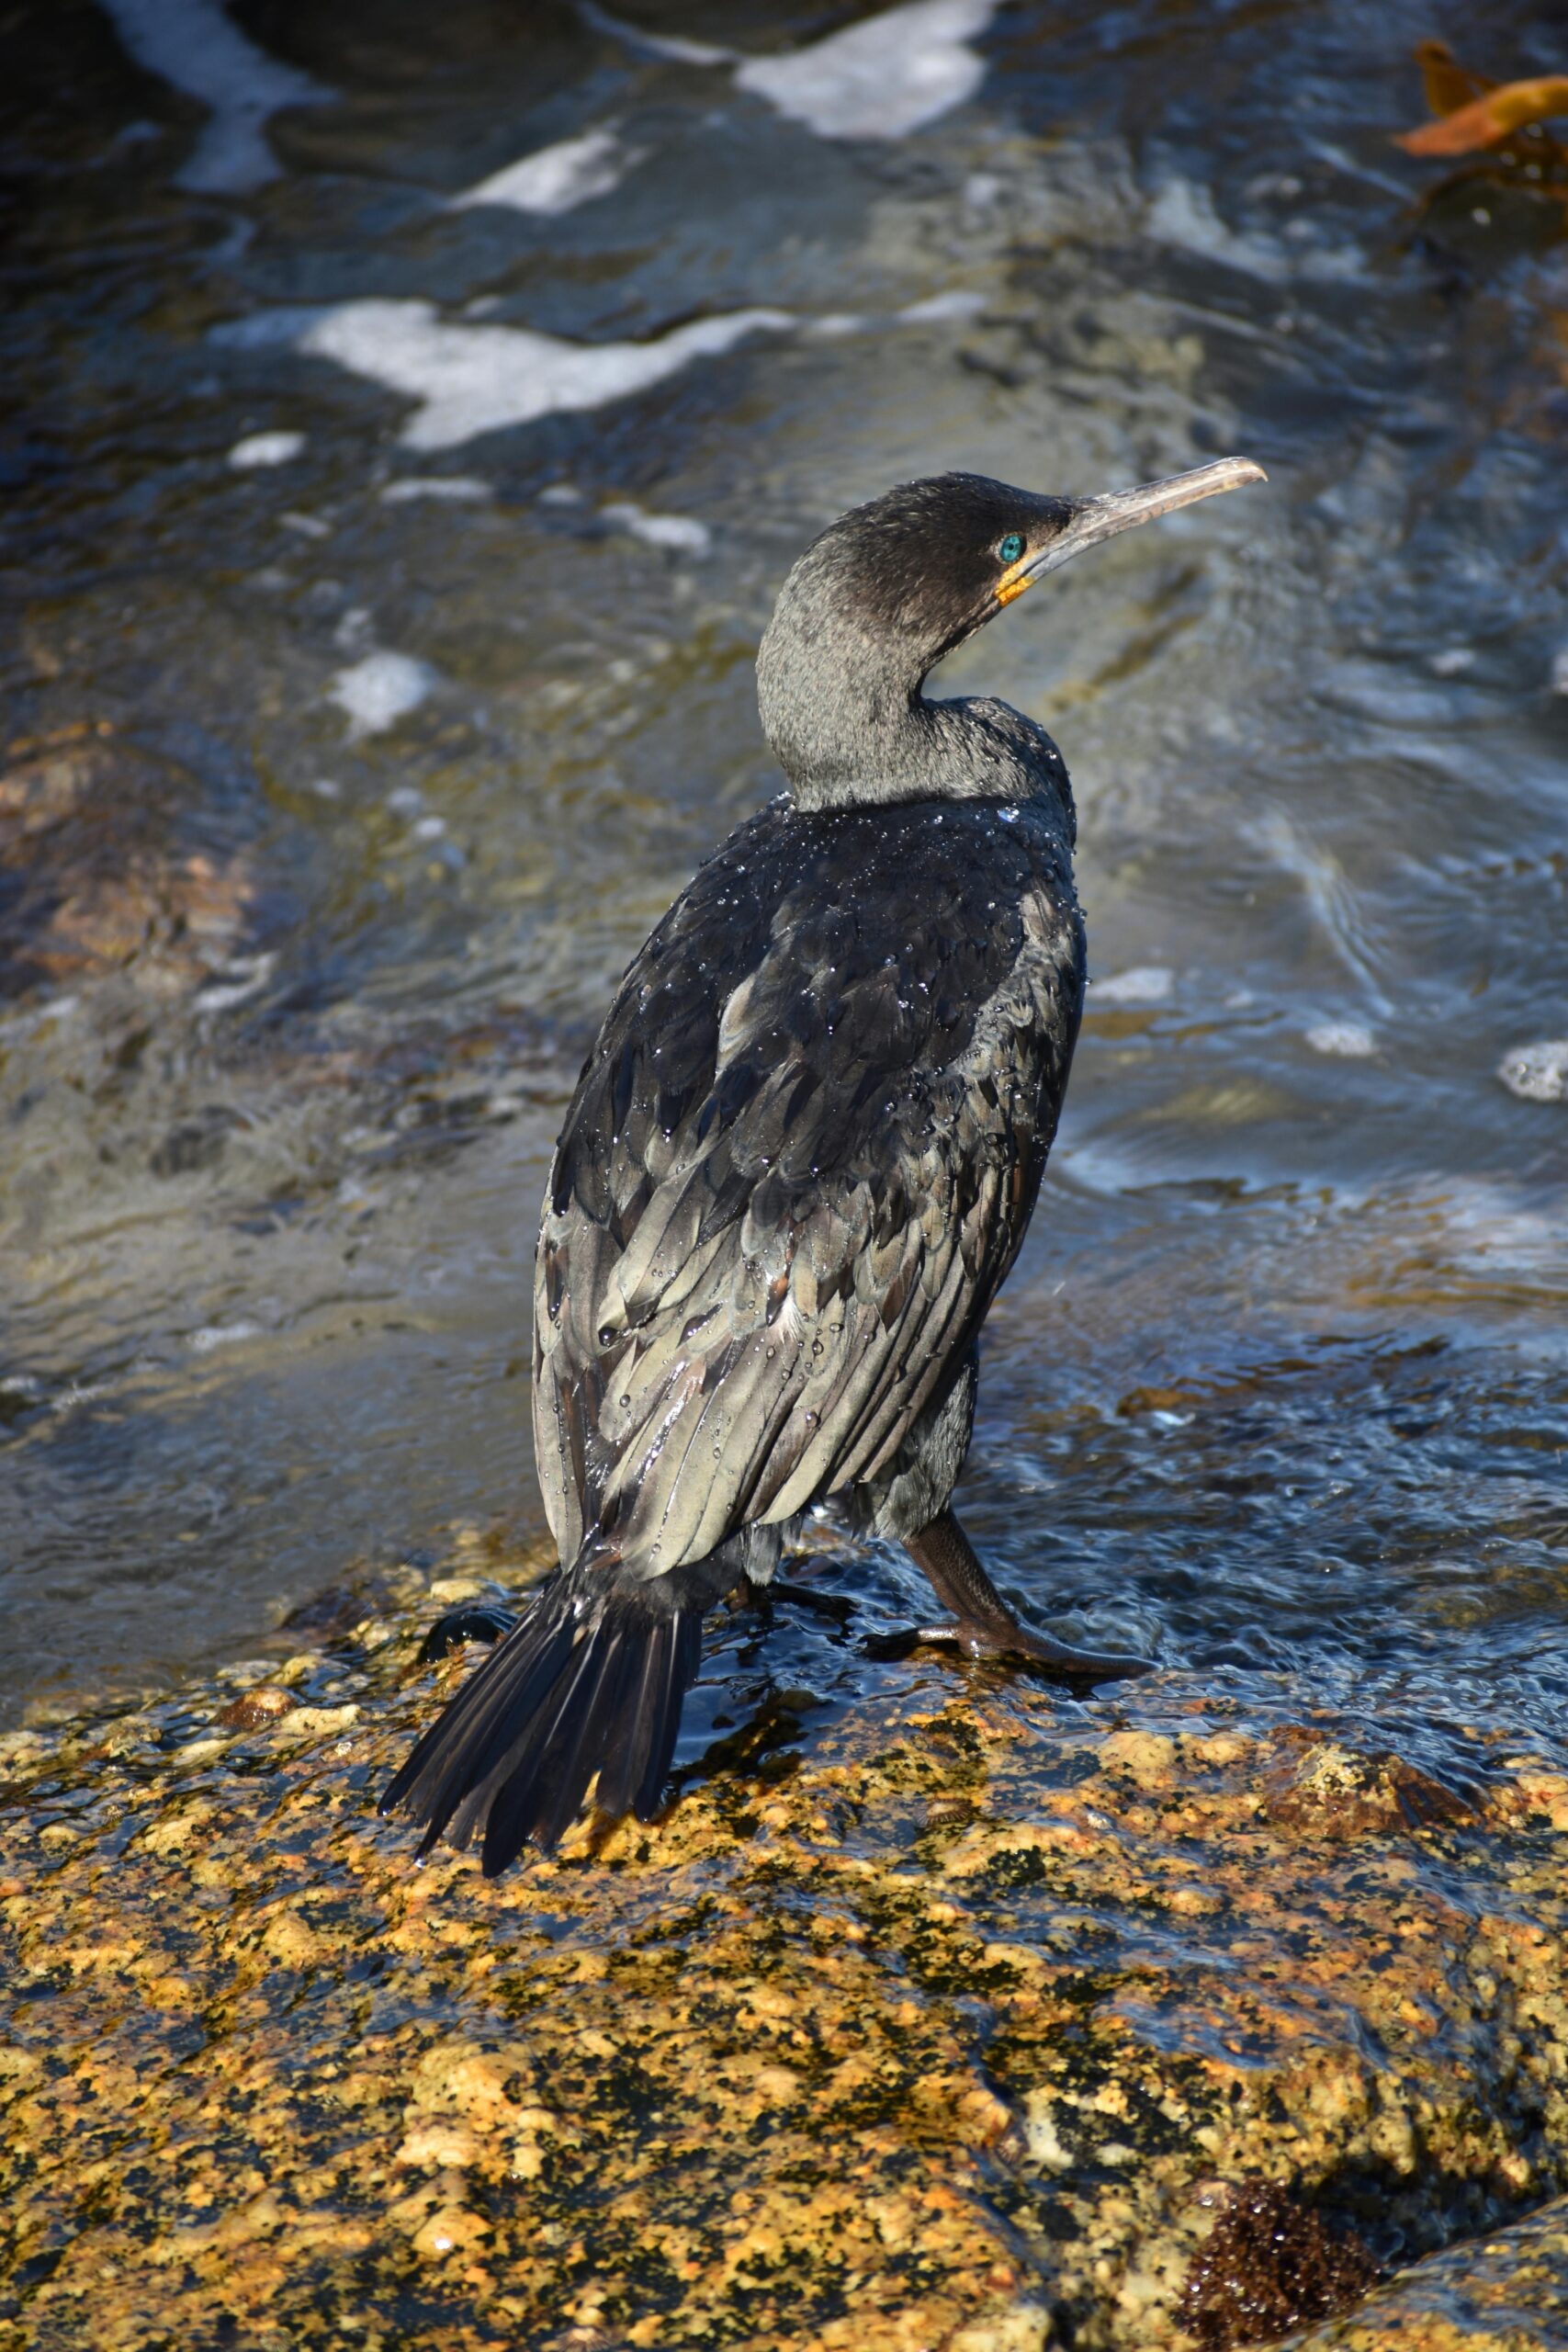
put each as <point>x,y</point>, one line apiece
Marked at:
<point>882,594</point>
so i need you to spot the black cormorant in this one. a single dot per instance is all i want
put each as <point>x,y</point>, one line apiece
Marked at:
<point>798,1164</point>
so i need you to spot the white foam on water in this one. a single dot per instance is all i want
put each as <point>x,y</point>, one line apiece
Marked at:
<point>958,302</point>
<point>1453,661</point>
<point>455,490</point>
<point>1351,1040</point>
<point>555,179</point>
<point>379,690</point>
<point>933,310</point>
<point>1183,214</point>
<point>1537,1073</point>
<point>880,79</point>
<point>266,449</point>
<point>1141,984</point>
<point>240,979</point>
<point>212,1335</point>
<point>682,532</point>
<point>473,380</point>
<point>194,46</point>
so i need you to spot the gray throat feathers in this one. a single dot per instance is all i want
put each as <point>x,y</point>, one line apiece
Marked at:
<point>842,710</point>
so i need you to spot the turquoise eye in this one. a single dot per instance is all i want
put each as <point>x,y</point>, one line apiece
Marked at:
<point>1012,548</point>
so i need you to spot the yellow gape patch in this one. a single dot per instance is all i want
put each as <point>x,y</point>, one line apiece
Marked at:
<point>1012,582</point>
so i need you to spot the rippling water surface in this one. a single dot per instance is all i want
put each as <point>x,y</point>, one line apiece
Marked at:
<point>400,479</point>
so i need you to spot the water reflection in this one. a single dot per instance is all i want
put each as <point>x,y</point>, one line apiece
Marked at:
<point>415,434</point>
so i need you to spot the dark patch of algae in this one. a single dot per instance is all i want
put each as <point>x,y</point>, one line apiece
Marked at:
<point>992,2022</point>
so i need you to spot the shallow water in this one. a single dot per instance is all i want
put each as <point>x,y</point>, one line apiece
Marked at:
<point>377,670</point>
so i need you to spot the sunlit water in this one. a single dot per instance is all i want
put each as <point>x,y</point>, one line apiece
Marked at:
<point>377,670</point>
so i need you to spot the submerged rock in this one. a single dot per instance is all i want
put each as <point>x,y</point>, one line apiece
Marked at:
<point>95,881</point>
<point>982,2021</point>
<point>1508,2292</point>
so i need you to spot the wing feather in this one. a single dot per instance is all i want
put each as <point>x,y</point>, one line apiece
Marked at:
<point>800,1163</point>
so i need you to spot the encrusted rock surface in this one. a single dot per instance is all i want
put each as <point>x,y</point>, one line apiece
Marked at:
<point>1503,2292</point>
<point>967,2025</point>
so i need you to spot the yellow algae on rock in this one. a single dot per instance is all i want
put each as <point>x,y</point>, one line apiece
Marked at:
<point>466,2078</point>
<point>175,1826</point>
<point>292,1941</point>
<point>1147,1757</point>
<point>956,2034</point>
<point>313,1724</point>
<point>1025,2328</point>
<point>452,2228</point>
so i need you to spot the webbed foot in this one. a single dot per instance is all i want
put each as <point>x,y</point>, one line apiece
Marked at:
<point>971,1637</point>
<point>982,1625</point>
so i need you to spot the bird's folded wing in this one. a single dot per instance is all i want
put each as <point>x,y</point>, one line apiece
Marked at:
<point>783,1203</point>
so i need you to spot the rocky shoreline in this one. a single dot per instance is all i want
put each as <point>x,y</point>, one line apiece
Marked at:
<point>980,2021</point>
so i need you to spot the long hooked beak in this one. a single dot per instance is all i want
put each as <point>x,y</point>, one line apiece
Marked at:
<point>1093,519</point>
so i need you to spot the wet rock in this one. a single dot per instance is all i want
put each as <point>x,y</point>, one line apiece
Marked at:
<point>94,879</point>
<point>263,1705</point>
<point>976,2019</point>
<point>326,1614</point>
<point>1330,1790</point>
<point>1504,2292</point>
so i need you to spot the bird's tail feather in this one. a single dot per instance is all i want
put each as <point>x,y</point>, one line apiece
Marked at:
<point>592,1680</point>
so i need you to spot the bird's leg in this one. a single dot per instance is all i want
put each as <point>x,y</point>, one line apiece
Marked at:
<point>982,1625</point>
<point>836,1605</point>
<point>803,1596</point>
<point>476,1621</point>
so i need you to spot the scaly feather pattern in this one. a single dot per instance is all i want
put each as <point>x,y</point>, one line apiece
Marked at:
<point>799,1163</point>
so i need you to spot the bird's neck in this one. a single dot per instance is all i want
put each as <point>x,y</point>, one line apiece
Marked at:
<point>859,740</point>
<point>843,705</point>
